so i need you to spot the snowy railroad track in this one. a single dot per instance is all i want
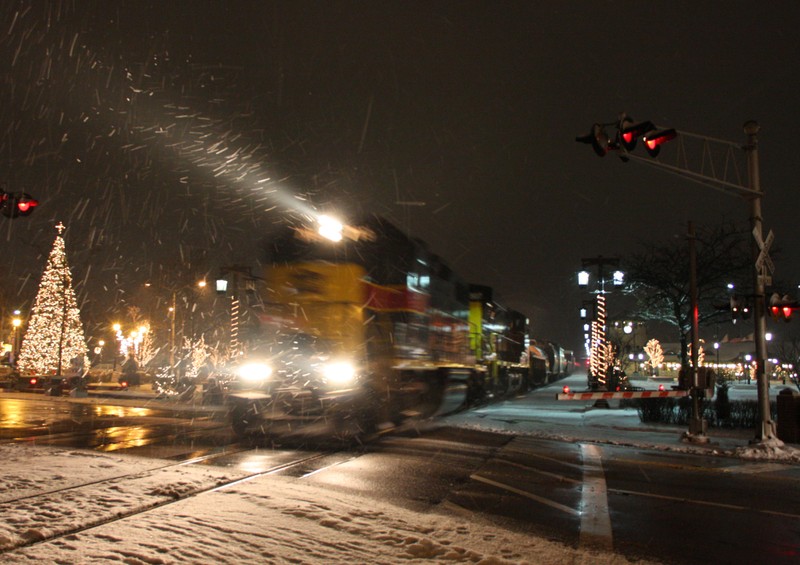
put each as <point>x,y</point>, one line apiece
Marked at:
<point>58,514</point>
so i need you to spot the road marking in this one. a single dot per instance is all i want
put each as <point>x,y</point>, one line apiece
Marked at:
<point>539,456</point>
<point>744,468</point>
<point>509,488</point>
<point>595,520</point>
<point>752,468</point>
<point>561,478</point>
<point>703,503</point>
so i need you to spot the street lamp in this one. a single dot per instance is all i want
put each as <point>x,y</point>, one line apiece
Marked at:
<point>117,337</point>
<point>17,323</point>
<point>598,362</point>
<point>716,348</point>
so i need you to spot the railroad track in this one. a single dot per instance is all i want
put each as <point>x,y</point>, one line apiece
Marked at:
<point>88,498</point>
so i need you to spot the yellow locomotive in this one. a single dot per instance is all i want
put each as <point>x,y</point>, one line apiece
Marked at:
<point>370,330</point>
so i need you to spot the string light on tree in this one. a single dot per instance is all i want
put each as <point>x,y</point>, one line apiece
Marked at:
<point>655,354</point>
<point>55,333</point>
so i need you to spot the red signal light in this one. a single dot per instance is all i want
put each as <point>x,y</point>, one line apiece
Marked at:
<point>24,205</point>
<point>629,132</point>
<point>660,387</point>
<point>565,389</point>
<point>15,204</point>
<point>781,307</point>
<point>33,381</point>
<point>654,139</point>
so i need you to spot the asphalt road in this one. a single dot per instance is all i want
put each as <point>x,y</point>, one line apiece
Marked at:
<point>667,506</point>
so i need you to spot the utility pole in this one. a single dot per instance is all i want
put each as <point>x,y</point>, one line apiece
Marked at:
<point>765,430</point>
<point>697,425</point>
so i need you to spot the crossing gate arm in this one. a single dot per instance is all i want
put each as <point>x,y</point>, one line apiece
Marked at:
<point>626,394</point>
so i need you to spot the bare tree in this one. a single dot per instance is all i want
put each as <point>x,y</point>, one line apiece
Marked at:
<point>658,277</point>
<point>789,352</point>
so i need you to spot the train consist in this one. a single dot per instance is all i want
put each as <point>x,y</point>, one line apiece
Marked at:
<point>375,328</point>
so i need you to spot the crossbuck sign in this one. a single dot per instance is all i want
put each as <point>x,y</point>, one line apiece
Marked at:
<point>764,264</point>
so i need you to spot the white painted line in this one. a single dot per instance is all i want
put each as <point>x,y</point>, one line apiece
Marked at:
<point>561,478</point>
<point>705,503</point>
<point>752,468</point>
<point>509,488</point>
<point>595,520</point>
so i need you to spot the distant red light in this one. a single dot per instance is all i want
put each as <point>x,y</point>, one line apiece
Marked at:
<point>123,384</point>
<point>565,389</point>
<point>660,387</point>
<point>34,381</point>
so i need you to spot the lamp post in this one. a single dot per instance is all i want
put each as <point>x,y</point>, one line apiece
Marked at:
<point>117,333</point>
<point>172,314</point>
<point>17,323</point>
<point>598,361</point>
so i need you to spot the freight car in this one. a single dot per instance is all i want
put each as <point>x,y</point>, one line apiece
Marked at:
<point>371,329</point>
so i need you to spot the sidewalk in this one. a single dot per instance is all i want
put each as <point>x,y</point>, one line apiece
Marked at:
<point>539,414</point>
<point>142,396</point>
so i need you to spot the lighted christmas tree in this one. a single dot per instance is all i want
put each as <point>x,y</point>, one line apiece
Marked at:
<point>54,331</point>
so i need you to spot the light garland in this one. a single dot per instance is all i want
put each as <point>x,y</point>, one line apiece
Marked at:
<point>55,324</point>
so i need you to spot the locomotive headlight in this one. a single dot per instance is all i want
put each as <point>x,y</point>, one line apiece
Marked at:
<point>339,372</point>
<point>254,372</point>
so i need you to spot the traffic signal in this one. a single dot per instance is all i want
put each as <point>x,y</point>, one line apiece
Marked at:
<point>15,204</point>
<point>598,139</point>
<point>781,307</point>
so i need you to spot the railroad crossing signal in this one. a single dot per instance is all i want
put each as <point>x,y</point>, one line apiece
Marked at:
<point>764,264</point>
<point>627,134</point>
<point>15,204</point>
<point>781,307</point>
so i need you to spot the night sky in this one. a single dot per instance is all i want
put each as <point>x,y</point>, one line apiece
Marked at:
<point>172,137</point>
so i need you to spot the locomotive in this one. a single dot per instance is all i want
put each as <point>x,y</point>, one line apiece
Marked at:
<point>374,329</point>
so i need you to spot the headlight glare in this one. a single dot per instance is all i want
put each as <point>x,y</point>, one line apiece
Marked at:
<point>340,372</point>
<point>254,372</point>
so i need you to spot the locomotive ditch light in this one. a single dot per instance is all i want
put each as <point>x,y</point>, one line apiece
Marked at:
<point>339,372</point>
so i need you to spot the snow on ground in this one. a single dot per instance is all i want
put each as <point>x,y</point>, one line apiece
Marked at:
<point>266,520</point>
<point>275,519</point>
